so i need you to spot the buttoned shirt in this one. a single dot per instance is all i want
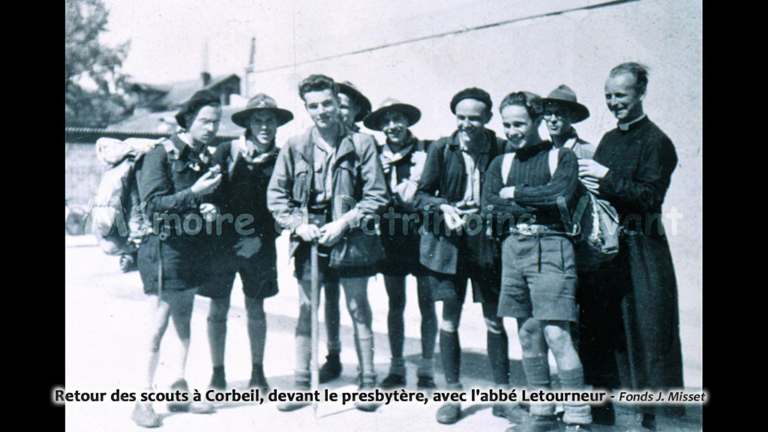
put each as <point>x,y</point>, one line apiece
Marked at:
<point>473,159</point>
<point>322,187</point>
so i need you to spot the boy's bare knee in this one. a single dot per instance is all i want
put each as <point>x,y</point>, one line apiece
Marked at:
<point>557,337</point>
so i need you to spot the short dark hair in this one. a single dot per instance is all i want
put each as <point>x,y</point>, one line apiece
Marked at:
<point>530,101</point>
<point>317,83</point>
<point>639,71</point>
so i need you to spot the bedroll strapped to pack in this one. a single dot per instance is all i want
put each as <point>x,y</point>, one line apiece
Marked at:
<point>594,225</point>
<point>115,211</point>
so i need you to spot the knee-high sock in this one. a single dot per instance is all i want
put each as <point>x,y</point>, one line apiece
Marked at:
<point>303,357</point>
<point>368,373</point>
<point>498,354</point>
<point>575,412</point>
<point>257,333</point>
<point>217,338</point>
<point>538,377</point>
<point>450,353</point>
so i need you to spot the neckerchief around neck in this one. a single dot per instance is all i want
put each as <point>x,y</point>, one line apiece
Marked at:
<point>397,156</point>
<point>201,153</point>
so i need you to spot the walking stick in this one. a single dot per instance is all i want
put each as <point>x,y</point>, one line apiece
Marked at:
<point>315,298</point>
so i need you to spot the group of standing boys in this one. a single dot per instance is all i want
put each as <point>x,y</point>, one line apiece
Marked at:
<point>331,186</point>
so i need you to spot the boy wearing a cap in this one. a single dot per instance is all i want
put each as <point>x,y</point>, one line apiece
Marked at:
<point>174,184</point>
<point>326,184</point>
<point>353,107</point>
<point>246,241</point>
<point>454,247</point>
<point>402,157</point>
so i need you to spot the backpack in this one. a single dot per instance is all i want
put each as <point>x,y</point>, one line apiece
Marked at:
<point>595,223</point>
<point>115,209</point>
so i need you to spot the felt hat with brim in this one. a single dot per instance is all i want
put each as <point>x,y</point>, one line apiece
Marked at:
<point>373,121</point>
<point>564,95</point>
<point>198,100</point>
<point>258,103</point>
<point>357,97</point>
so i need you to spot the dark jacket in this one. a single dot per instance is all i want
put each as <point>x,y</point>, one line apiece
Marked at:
<point>444,182</point>
<point>358,180</point>
<point>243,193</point>
<point>164,179</point>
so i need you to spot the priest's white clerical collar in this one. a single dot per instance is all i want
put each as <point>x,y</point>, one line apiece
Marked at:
<point>625,126</point>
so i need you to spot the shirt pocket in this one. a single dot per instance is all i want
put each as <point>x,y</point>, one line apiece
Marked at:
<point>347,184</point>
<point>300,179</point>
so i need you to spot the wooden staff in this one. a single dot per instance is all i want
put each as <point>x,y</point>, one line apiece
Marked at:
<point>315,298</point>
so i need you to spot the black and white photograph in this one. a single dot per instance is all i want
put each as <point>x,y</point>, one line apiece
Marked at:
<point>383,215</point>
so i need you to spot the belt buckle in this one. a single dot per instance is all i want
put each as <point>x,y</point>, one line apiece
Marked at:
<point>525,229</point>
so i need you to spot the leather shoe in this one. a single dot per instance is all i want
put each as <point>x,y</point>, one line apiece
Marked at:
<point>367,406</point>
<point>649,421</point>
<point>218,381</point>
<point>426,383</point>
<point>293,406</point>
<point>604,414</point>
<point>449,413</point>
<point>511,412</point>
<point>537,423</point>
<point>259,381</point>
<point>144,416</point>
<point>331,369</point>
<point>393,381</point>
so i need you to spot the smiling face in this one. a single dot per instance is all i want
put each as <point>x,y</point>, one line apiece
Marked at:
<point>520,128</point>
<point>471,117</point>
<point>323,108</point>
<point>348,110</point>
<point>263,126</point>
<point>203,129</point>
<point>623,98</point>
<point>395,127</point>
<point>558,119</point>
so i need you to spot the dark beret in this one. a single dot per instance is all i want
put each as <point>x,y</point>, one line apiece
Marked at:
<point>198,100</point>
<point>471,93</point>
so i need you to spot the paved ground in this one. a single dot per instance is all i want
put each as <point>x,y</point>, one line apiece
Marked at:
<point>105,330</point>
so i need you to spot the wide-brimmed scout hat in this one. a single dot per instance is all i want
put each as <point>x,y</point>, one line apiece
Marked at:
<point>373,121</point>
<point>563,94</point>
<point>257,103</point>
<point>357,97</point>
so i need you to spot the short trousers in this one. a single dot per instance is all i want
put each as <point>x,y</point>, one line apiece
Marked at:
<point>402,254</point>
<point>185,263</point>
<point>258,273</point>
<point>538,278</point>
<point>485,282</point>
